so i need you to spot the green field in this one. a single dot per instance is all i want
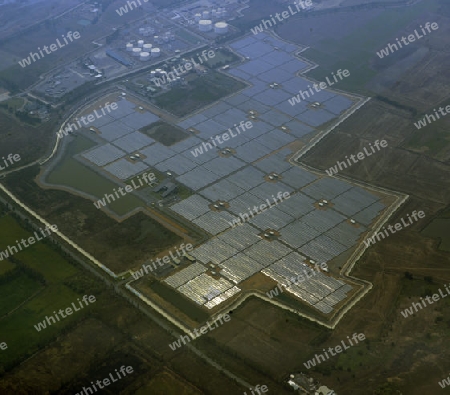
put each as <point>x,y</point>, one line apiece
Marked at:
<point>18,328</point>
<point>15,288</point>
<point>72,173</point>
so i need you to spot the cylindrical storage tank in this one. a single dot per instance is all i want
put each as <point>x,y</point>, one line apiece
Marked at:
<point>129,47</point>
<point>140,43</point>
<point>144,56</point>
<point>206,14</point>
<point>147,47</point>
<point>197,17</point>
<point>221,27</point>
<point>155,52</point>
<point>205,25</point>
<point>141,30</point>
<point>136,51</point>
<point>214,13</point>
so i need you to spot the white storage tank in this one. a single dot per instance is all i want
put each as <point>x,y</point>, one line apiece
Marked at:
<point>221,27</point>
<point>136,51</point>
<point>206,15</point>
<point>129,47</point>
<point>140,43</point>
<point>205,25</point>
<point>197,17</point>
<point>147,47</point>
<point>144,56</point>
<point>155,52</point>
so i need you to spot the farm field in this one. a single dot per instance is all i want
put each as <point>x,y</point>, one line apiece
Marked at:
<point>40,269</point>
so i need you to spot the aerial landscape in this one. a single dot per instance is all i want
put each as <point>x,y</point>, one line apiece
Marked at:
<point>224,197</point>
